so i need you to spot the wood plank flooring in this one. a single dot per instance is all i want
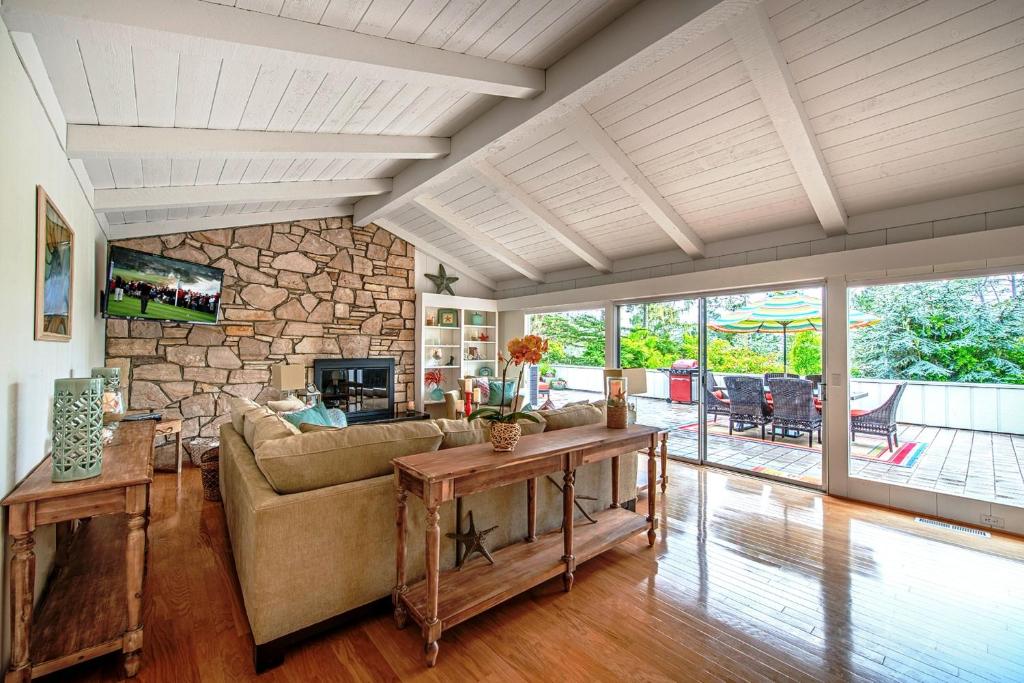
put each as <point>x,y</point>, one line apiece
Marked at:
<point>749,580</point>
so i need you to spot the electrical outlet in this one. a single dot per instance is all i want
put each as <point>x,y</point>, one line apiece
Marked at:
<point>993,521</point>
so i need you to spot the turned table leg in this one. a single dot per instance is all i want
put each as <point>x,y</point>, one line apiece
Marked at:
<point>652,475</point>
<point>23,572</point>
<point>531,510</point>
<point>135,559</point>
<point>568,502</point>
<point>615,482</point>
<point>432,627</point>
<point>400,588</point>
<point>177,453</point>
<point>664,461</point>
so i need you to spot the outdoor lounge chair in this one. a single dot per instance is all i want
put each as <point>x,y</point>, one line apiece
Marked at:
<point>793,407</point>
<point>776,375</point>
<point>714,399</point>
<point>747,406</point>
<point>880,421</point>
<point>815,379</point>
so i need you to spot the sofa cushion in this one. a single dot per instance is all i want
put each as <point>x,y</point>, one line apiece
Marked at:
<point>249,423</point>
<point>318,459</point>
<point>270,427</point>
<point>238,407</point>
<point>316,415</point>
<point>461,433</point>
<point>286,405</point>
<point>574,416</point>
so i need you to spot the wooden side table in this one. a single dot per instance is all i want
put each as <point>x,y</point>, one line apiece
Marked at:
<point>93,604</point>
<point>166,428</point>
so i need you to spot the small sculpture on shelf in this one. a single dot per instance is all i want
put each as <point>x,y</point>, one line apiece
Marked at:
<point>436,357</point>
<point>483,336</point>
<point>472,542</point>
<point>443,281</point>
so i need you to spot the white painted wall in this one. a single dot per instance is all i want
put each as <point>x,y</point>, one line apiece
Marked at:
<point>466,286</point>
<point>31,154</point>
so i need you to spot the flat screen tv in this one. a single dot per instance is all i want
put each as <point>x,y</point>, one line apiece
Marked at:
<point>151,287</point>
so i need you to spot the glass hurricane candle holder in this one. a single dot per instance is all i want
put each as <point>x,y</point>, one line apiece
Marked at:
<point>616,394</point>
<point>77,428</point>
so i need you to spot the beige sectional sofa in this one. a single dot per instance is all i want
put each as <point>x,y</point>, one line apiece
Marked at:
<point>311,515</point>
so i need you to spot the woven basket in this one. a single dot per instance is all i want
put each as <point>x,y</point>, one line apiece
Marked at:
<point>617,417</point>
<point>197,448</point>
<point>210,468</point>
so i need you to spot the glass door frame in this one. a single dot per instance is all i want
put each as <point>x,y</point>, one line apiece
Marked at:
<point>702,337</point>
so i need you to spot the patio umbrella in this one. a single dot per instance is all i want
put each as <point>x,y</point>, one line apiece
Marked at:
<point>782,314</point>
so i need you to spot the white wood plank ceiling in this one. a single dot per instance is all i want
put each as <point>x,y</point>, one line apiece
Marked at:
<point>659,126</point>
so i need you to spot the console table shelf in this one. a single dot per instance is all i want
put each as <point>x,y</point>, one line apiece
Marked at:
<point>479,585</point>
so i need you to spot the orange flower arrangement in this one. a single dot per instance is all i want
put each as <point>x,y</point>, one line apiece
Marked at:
<point>522,351</point>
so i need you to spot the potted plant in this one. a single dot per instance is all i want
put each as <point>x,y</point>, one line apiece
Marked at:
<point>505,427</point>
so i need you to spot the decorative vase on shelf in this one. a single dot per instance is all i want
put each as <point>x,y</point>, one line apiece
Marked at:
<point>476,319</point>
<point>436,394</point>
<point>505,436</point>
<point>77,428</point>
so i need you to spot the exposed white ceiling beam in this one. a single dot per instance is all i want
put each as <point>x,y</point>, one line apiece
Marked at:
<point>128,142</point>
<point>545,219</point>
<point>432,249</point>
<point>474,235</point>
<point>211,30</point>
<point>238,220</point>
<point>142,198</point>
<point>596,141</point>
<point>758,46</point>
<point>645,34</point>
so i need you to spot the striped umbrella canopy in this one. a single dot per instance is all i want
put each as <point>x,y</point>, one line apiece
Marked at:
<point>780,314</point>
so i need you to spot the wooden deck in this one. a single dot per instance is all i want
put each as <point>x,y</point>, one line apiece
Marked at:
<point>981,465</point>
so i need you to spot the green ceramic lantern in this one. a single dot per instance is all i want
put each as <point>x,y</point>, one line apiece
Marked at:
<point>77,428</point>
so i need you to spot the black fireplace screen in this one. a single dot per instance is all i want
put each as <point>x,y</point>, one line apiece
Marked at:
<point>362,388</point>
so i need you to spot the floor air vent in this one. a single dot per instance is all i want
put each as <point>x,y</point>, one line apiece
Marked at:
<point>954,527</point>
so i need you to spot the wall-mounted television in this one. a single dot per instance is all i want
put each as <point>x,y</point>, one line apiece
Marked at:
<point>150,287</point>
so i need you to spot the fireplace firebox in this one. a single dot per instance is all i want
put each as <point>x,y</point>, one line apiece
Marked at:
<point>364,388</point>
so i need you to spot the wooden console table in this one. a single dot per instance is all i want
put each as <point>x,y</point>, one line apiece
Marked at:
<point>443,600</point>
<point>92,604</point>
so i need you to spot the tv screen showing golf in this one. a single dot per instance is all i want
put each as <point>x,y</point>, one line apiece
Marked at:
<point>152,287</point>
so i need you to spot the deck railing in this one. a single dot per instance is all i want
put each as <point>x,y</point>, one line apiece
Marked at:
<point>981,407</point>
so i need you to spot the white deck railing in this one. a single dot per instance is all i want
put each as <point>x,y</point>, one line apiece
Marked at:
<point>981,407</point>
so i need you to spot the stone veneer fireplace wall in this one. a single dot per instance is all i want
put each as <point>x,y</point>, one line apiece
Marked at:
<point>293,292</point>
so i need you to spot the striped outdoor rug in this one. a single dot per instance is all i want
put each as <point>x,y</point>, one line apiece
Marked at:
<point>906,455</point>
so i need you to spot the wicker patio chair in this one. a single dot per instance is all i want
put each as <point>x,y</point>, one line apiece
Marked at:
<point>880,421</point>
<point>793,407</point>
<point>714,404</point>
<point>776,375</point>
<point>747,407</point>
<point>814,379</point>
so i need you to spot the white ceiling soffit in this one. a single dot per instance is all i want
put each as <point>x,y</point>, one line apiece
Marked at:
<point>238,220</point>
<point>635,41</point>
<point>212,30</point>
<point>142,198</point>
<point>130,142</point>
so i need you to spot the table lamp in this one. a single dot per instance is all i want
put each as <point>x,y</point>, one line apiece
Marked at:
<point>287,378</point>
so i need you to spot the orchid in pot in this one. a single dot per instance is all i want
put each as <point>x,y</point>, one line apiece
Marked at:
<point>503,419</point>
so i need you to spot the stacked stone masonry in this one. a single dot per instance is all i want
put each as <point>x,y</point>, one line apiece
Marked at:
<point>293,292</point>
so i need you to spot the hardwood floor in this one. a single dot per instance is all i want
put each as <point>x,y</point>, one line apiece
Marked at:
<point>749,580</point>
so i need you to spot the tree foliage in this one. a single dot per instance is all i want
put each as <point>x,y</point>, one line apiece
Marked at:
<point>964,330</point>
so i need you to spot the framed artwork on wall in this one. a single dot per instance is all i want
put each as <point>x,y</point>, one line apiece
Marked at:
<point>55,271</point>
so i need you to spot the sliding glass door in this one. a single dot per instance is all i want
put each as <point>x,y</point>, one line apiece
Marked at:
<point>735,379</point>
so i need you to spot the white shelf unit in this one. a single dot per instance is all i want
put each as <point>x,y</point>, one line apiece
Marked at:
<point>446,349</point>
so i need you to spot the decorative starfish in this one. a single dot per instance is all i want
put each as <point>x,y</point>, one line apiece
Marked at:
<point>443,281</point>
<point>575,500</point>
<point>473,542</point>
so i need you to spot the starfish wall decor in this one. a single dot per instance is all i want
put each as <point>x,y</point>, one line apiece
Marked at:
<point>443,281</point>
<point>473,542</point>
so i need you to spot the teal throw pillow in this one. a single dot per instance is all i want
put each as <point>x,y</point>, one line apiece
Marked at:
<point>317,415</point>
<point>499,398</point>
<point>337,417</point>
